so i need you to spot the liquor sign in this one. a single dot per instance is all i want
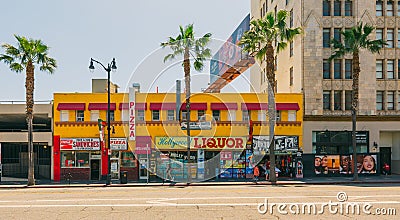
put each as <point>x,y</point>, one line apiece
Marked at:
<point>118,144</point>
<point>209,143</point>
<point>80,144</point>
<point>132,126</point>
<point>197,125</point>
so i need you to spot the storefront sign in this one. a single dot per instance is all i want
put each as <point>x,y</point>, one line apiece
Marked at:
<point>80,144</point>
<point>132,131</point>
<point>197,125</point>
<point>118,144</point>
<point>226,155</point>
<point>140,149</point>
<point>209,143</point>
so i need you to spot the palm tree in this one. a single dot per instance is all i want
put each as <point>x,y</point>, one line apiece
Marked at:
<point>190,47</point>
<point>355,40</point>
<point>24,56</point>
<point>258,41</point>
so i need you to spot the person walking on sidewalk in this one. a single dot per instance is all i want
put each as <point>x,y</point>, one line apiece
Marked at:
<point>168,173</point>
<point>256,173</point>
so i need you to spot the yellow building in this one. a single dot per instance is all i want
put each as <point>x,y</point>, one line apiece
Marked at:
<point>228,132</point>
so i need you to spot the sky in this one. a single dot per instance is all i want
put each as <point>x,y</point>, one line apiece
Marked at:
<point>129,31</point>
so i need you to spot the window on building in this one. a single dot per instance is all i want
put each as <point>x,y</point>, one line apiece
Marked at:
<point>326,8</point>
<point>291,18</point>
<point>398,100</point>
<point>201,115</point>
<point>348,69</point>
<point>337,69</point>
<point>184,115</point>
<point>74,159</point>
<point>291,76</point>
<point>389,8</point>
<point>94,115</point>
<point>379,69</point>
<point>216,115</point>
<point>390,69</point>
<point>124,115</point>
<point>231,115</point>
<point>278,115</point>
<point>64,115</point>
<point>337,8</point>
<point>128,159</point>
<point>398,69</point>
<point>80,115</point>
<point>390,100</point>
<point>348,8</point>
<point>261,12</point>
<point>379,8</point>
<point>347,99</point>
<point>291,48</point>
<point>398,36</point>
<point>275,11</point>
<point>292,115</point>
<point>326,69</point>
<point>379,100</point>
<point>245,115</point>
<point>336,34</point>
<point>379,34</point>
<point>155,115</point>
<point>337,100</point>
<point>139,115</point>
<point>287,2</point>
<point>398,8</point>
<point>170,115</point>
<point>262,115</point>
<point>326,37</point>
<point>111,115</point>
<point>327,100</point>
<point>390,38</point>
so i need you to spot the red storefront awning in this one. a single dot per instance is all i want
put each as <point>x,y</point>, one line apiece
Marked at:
<point>70,106</point>
<point>138,106</point>
<point>224,106</point>
<point>123,106</point>
<point>163,106</point>
<point>287,106</point>
<point>195,106</point>
<point>101,106</point>
<point>254,106</point>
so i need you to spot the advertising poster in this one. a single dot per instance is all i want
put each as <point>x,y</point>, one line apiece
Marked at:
<point>286,143</point>
<point>366,163</point>
<point>200,164</point>
<point>249,164</point>
<point>326,164</point>
<point>260,145</point>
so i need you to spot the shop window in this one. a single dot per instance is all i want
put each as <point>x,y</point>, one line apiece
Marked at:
<point>111,115</point>
<point>337,8</point>
<point>327,100</point>
<point>114,154</point>
<point>337,100</point>
<point>64,115</point>
<point>292,115</point>
<point>278,115</point>
<point>348,100</point>
<point>155,115</point>
<point>389,8</point>
<point>124,115</point>
<point>94,115</point>
<point>139,115</point>
<point>390,100</point>
<point>348,8</point>
<point>245,115</point>
<point>326,8</point>
<point>170,115</point>
<point>82,159</point>
<point>326,69</point>
<point>200,115</point>
<point>262,115</point>
<point>390,69</point>
<point>379,8</point>
<point>216,115</point>
<point>128,159</point>
<point>379,69</point>
<point>80,116</point>
<point>231,115</point>
<point>390,38</point>
<point>348,69</point>
<point>184,115</point>
<point>379,100</point>
<point>326,37</point>
<point>67,159</point>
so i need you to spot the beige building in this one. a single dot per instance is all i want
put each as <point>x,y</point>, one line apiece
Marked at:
<point>14,139</point>
<point>303,67</point>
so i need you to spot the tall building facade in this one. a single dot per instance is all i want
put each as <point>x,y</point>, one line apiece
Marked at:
<point>303,67</point>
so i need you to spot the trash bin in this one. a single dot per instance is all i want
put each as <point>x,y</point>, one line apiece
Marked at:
<point>124,177</point>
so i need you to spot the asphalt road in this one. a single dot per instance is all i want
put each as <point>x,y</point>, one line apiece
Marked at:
<point>203,202</point>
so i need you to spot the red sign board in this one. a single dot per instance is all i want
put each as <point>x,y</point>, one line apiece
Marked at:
<point>80,144</point>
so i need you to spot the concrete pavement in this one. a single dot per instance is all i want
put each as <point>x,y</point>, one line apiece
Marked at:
<point>10,183</point>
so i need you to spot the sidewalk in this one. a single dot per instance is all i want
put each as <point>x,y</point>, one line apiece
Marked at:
<point>13,183</point>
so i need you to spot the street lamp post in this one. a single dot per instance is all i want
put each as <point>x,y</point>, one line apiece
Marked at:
<point>110,66</point>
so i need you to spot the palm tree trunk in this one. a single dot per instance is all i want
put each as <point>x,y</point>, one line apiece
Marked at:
<point>271,109</point>
<point>354,106</point>
<point>29,86</point>
<point>186,68</point>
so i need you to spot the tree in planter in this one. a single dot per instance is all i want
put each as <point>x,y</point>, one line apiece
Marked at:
<point>24,56</point>
<point>186,45</point>
<point>258,42</point>
<point>355,40</point>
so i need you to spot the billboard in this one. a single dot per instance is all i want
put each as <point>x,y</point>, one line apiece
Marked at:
<point>229,53</point>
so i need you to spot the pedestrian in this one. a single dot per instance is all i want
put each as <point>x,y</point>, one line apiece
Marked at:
<point>168,175</point>
<point>256,173</point>
<point>267,168</point>
<point>386,169</point>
